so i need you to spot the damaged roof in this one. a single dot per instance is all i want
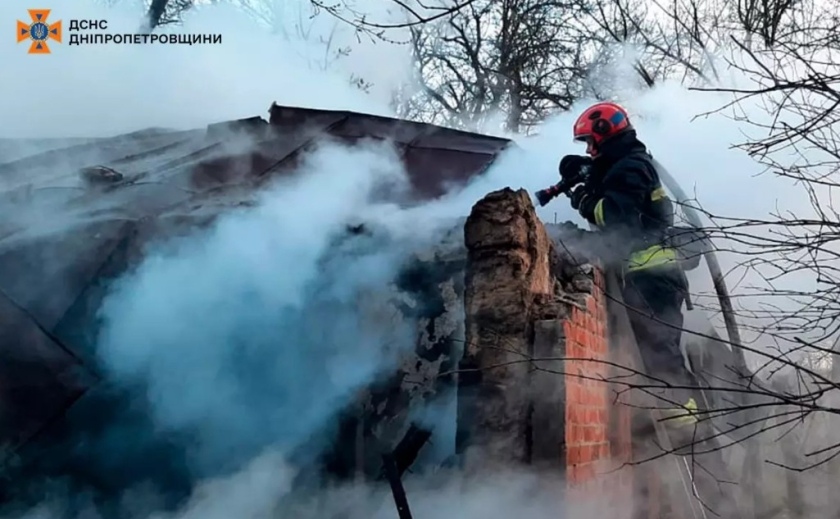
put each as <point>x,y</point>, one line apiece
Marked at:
<point>76,214</point>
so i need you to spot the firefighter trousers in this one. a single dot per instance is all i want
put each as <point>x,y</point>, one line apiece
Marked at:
<point>654,298</point>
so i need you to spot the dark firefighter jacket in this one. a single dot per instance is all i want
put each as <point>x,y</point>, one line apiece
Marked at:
<point>626,200</point>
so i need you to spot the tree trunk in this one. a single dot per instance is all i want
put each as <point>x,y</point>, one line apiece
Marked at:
<point>155,13</point>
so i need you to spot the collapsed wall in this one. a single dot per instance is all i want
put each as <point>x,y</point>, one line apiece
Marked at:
<point>533,385</point>
<point>425,296</point>
<point>507,304</point>
<point>549,378</point>
<point>388,416</point>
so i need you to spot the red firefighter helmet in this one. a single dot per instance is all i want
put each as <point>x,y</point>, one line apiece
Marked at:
<point>598,123</point>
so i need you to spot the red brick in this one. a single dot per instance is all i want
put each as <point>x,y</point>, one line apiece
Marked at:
<point>572,434</point>
<point>586,397</point>
<point>572,349</point>
<point>583,391</point>
<point>585,472</point>
<point>601,413</point>
<point>597,399</point>
<point>573,386</point>
<point>584,380</point>
<point>577,338</point>
<point>602,434</point>
<point>581,335</point>
<point>576,393</point>
<point>572,455</point>
<point>594,434</point>
<point>572,391</point>
<point>585,453</point>
<point>593,399</point>
<point>583,340</point>
<point>587,415</point>
<point>589,407</point>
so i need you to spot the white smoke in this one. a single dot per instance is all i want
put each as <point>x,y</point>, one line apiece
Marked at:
<point>243,333</point>
<point>213,325</point>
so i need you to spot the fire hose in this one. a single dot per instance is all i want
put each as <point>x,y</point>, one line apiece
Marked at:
<point>752,471</point>
<point>715,270</point>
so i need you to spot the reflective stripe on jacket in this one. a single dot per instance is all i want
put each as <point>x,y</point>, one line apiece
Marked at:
<point>653,256</point>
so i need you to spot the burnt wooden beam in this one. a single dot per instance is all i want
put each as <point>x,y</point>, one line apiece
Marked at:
<point>389,466</point>
<point>408,449</point>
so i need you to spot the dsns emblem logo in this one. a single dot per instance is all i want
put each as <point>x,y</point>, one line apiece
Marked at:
<point>39,30</point>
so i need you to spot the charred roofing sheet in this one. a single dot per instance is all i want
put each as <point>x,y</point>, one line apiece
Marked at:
<point>76,212</point>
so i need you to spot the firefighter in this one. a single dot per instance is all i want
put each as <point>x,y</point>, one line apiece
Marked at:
<point>622,196</point>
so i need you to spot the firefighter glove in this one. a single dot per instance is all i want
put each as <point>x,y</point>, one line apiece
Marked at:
<point>572,166</point>
<point>584,202</point>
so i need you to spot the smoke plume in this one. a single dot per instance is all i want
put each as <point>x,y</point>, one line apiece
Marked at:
<point>249,337</point>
